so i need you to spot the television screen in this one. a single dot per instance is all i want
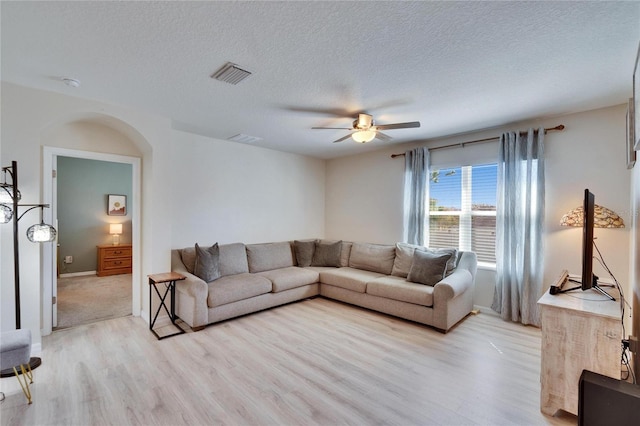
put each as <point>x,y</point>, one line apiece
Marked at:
<point>587,240</point>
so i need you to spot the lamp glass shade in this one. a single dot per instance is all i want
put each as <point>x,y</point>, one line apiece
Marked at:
<point>364,136</point>
<point>41,233</point>
<point>6,213</point>
<point>603,218</point>
<point>6,194</point>
<point>115,228</point>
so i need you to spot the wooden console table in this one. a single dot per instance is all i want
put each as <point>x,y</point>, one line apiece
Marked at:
<point>580,331</point>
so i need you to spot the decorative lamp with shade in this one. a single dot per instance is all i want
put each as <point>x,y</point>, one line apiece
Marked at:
<point>603,218</point>
<point>10,197</point>
<point>115,229</point>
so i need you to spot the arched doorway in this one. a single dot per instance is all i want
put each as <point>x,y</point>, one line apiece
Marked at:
<point>50,153</point>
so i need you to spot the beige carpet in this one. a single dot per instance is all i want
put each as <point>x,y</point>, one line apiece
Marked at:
<point>86,299</point>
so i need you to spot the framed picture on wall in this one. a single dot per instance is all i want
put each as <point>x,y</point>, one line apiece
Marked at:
<point>117,205</point>
<point>631,153</point>
<point>636,102</point>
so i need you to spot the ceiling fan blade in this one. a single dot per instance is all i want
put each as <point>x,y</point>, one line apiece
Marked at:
<point>383,137</point>
<point>398,125</point>
<point>333,128</point>
<point>342,139</point>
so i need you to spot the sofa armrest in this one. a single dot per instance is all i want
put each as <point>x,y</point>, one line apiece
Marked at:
<point>460,280</point>
<point>453,285</point>
<point>191,294</point>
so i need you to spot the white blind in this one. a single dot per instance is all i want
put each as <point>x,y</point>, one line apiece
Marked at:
<point>462,210</point>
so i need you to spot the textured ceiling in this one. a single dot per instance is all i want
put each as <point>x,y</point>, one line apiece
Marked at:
<point>453,66</point>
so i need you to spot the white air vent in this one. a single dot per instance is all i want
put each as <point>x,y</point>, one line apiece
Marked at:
<point>231,73</point>
<point>244,138</point>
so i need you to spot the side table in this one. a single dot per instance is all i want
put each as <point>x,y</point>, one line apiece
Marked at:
<point>169,280</point>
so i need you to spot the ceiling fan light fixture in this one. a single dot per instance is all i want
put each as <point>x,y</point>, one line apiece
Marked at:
<point>364,136</point>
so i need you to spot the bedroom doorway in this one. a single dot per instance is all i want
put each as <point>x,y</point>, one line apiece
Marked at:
<point>50,256</point>
<point>85,292</point>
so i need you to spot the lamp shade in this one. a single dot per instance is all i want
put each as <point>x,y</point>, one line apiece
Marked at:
<point>41,233</point>
<point>603,218</point>
<point>6,213</point>
<point>364,136</point>
<point>6,194</point>
<point>115,228</point>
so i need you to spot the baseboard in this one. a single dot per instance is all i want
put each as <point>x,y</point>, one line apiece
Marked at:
<point>78,274</point>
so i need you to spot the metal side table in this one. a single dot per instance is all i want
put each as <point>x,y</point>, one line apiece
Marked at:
<point>169,280</point>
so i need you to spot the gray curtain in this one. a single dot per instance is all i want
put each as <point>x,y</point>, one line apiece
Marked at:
<point>519,227</point>
<point>416,195</point>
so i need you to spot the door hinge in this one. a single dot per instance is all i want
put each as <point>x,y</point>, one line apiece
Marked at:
<point>54,173</point>
<point>54,300</point>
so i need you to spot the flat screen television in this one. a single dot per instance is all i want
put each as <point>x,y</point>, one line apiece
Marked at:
<point>589,280</point>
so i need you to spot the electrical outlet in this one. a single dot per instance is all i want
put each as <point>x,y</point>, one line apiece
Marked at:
<point>68,259</point>
<point>633,344</point>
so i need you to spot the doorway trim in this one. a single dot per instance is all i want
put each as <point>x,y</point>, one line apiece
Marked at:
<point>49,196</point>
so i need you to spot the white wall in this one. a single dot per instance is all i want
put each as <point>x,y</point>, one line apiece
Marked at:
<point>227,192</point>
<point>364,192</point>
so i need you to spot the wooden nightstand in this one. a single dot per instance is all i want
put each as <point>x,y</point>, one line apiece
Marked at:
<point>114,260</point>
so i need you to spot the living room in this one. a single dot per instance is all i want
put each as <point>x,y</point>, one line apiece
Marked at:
<point>197,188</point>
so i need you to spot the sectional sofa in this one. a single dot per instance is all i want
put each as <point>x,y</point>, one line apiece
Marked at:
<point>429,286</point>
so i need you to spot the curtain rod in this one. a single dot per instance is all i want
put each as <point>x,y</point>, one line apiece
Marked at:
<point>559,127</point>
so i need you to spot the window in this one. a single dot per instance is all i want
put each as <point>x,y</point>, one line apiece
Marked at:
<point>462,209</point>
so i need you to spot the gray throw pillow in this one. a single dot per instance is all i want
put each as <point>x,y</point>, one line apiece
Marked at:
<point>206,266</point>
<point>428,268</point>
<point>327,254</point>
<point>304,252</point>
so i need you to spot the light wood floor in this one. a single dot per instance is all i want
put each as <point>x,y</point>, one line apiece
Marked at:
<point>316,362</point>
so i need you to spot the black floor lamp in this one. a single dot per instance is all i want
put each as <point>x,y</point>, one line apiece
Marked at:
<point>39,233</point>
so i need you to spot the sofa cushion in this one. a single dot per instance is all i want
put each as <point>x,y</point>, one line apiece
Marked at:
<point>233,288</point>
<point>232,259</point>
<point>268,256</point>
<point>397,288</point>
<point>404,258</point>
<point>427,267</point>
<point>349,278</point>
<point>206,263</point>
<point>327,254</point>
<point>304,252</point>
<point>291,277</point>
<point>372,257</point>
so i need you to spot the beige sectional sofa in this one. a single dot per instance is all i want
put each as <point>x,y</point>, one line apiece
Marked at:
<point>253,277</point>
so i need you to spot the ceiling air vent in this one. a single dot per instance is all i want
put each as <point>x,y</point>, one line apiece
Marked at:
<point>244,138</point>
<point>231,73</point>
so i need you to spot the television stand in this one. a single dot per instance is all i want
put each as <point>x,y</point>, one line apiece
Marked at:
<point>602,291</point>
<point>577,334</point>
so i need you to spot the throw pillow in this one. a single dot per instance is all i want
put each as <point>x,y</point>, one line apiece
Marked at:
<point>404,258</point>
<point>304,252</point>
<point>327,254</point>
<point>428,268</point>
<point>206,266</point>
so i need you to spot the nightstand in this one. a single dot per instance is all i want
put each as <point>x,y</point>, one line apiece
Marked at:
<point>114,260</point>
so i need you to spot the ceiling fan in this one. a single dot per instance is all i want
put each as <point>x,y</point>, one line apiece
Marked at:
<point>365,130</point>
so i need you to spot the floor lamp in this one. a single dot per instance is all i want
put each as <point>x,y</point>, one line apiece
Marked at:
<point>39,233</point>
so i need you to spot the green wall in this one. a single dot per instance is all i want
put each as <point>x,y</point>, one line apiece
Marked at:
<point>83,186</point>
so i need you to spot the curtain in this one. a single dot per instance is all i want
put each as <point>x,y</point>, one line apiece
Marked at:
<point>416,195</point>
<point>519,226</point>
